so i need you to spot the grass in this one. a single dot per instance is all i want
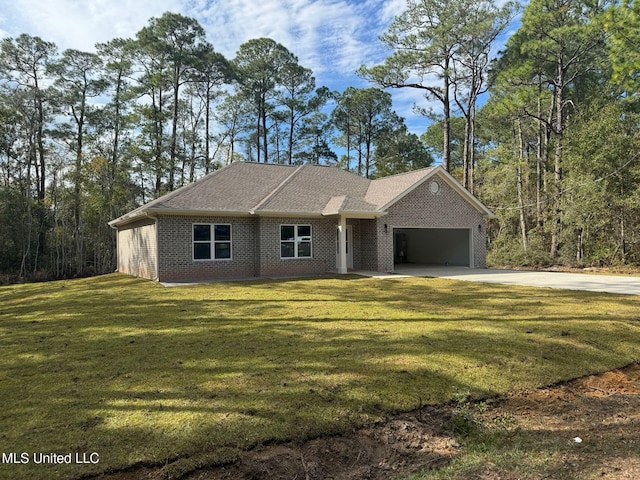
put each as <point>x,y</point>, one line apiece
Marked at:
<point>189,376</point>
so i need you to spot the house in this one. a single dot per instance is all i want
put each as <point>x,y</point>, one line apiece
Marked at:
<point>265,220</point>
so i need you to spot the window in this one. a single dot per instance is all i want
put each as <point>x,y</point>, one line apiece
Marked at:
<point>295,241</point>
<point>211,241</point>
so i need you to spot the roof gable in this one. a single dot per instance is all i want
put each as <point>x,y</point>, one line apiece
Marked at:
<point>384,191</point>
<point>404,187</point>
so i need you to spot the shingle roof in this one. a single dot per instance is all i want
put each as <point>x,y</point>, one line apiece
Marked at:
<point>384,190</point>
<point>244,188</point>
<point>311,188</point>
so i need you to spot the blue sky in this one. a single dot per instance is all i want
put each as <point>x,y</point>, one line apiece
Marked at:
<point>332,37</point>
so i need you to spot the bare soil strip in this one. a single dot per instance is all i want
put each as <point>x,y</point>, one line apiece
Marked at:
<point>602,410</point>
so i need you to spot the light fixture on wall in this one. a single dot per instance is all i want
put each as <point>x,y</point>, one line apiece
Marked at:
<point>386,228</point>
<point>479,227</point>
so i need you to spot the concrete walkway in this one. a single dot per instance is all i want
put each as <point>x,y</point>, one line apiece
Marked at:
<point>626,285</point>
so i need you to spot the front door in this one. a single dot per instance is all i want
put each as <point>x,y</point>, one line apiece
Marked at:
<point>349,248</point>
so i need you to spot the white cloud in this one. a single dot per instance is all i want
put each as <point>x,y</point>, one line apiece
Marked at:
<point>80,24</point>
<point>392,9</point>
<point>332,37</point>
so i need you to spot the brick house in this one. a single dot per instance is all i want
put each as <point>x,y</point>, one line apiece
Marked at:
<point>264,220</point>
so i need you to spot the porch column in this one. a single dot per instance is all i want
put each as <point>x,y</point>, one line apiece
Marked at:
<point>342,245</point>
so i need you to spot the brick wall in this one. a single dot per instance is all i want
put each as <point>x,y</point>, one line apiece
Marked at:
<point>255,249</point>
<point>137,252</point>
<point>356,240</point>
<point>175,250</point>
<point>323,232</point>
<point>369,244</point>
<point>422,208</point>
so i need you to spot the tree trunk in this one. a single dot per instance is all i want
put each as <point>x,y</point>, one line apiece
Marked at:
<point>559,126</point>
<point>446,124</point>
<point>520,189</point>
<point>472,149</point>
<point>174,129</point>
<point>265,136</point>
<point>40,141</point>
<point>291,132</point>
<point>207,140</point>
<point>465,153</point>
<point>580,247</point>
<point>623,240</point>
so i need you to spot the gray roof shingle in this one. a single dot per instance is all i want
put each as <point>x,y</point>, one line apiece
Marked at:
<point>312,187</point>
<point>244,188</point>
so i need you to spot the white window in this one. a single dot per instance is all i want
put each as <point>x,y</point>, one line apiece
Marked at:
<point>295,241</point>
<point>211,241</point>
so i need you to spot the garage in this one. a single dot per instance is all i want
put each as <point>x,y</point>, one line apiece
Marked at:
<point>433,246</point>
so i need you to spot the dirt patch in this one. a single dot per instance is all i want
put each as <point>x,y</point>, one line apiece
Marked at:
<point>593,422</point>
<point>599,415</point>
<point>408,442</point>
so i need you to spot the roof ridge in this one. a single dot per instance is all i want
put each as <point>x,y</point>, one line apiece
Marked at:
<point>277,189</point>
<point>409,172</point>
<point>336,198</point>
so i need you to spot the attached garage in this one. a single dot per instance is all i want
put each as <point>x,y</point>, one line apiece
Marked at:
<point>433,246</point>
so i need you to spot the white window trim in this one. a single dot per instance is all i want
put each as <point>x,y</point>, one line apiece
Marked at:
<point>212,242</point>
<point>295,240</point>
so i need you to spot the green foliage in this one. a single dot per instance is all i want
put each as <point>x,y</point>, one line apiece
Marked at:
<point>507,251</point>
<point>364,118</point>
<point>464,419</point>
<point>432,138</point>
<point>622,23</point>
<point>261,65</point>
<point>566,142</point>
<point>602,185</point>
<point>448,40</point>
<point>399,151</point>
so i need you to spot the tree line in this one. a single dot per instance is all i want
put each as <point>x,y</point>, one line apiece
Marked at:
<point>554,150</point>
<point>545,132</point>
<point>562,136</point>
<point>87,136</point>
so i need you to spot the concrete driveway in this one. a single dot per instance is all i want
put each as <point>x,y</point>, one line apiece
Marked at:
<point>626,285</point>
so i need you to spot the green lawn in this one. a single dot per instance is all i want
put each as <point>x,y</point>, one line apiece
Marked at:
<point>188,376</point>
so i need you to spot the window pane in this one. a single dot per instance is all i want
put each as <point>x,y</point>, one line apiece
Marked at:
<point>287,232</point>
<point>223,250</point>
<point>287,250</point>
<point>201,233</point>
<point>304,249</point>
<point>304,230</point>
<point>222,233</point>
<point>202,251</point>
